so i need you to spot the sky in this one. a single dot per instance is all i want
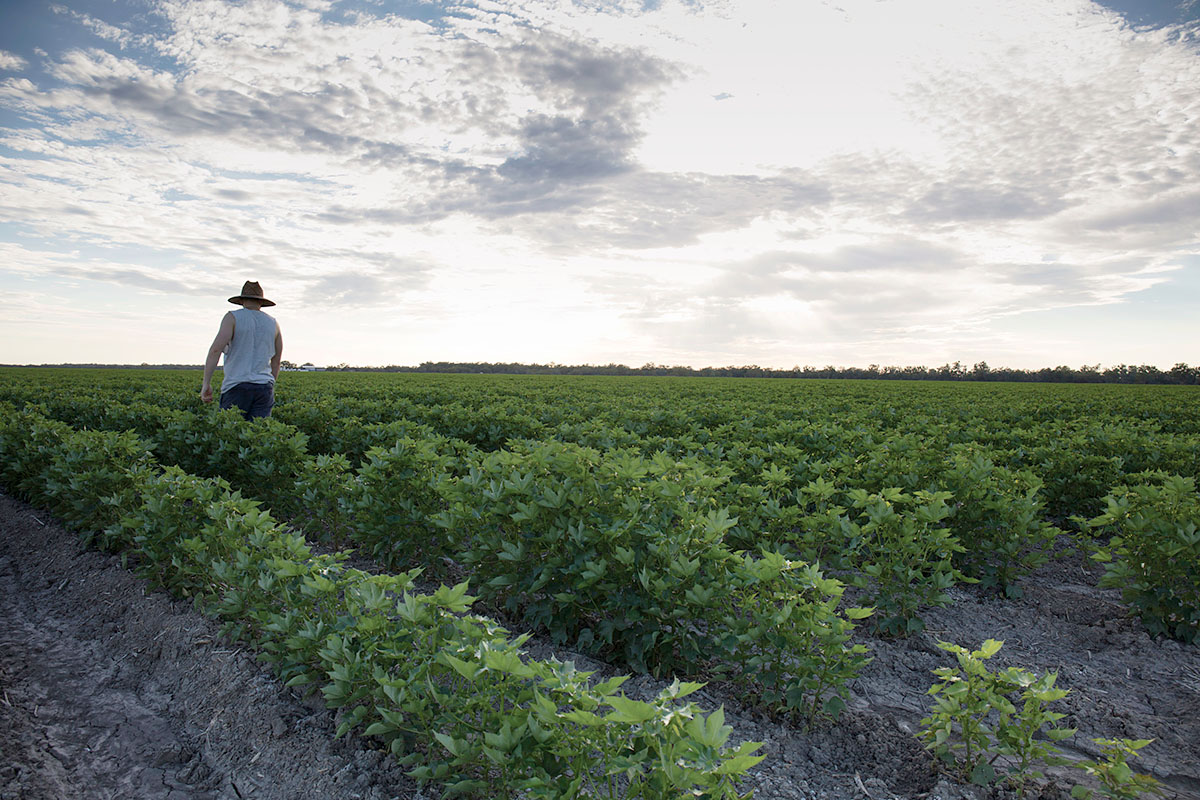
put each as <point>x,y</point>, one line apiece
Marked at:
<point>683,182</point>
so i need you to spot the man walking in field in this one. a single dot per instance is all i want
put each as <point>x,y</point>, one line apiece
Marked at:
<point>253,348</point>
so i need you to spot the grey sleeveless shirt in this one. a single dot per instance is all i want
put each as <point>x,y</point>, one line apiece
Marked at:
<point>248,357</point>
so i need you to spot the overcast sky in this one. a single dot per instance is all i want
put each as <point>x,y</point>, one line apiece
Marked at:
<point>701,182</point>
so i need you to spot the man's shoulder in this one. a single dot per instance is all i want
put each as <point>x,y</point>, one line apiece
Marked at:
<point>253,312</point>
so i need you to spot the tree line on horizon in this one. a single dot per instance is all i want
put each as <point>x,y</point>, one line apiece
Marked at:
<point>1181,374</point>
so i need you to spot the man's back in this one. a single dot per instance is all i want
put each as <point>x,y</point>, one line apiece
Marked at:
<point>248,357</point>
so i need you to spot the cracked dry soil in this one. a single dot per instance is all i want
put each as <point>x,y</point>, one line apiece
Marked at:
<point>111,690</point>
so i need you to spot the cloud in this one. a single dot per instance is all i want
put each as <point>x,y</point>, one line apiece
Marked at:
<point>12,61</point>
<point>894,253</point>
<point>638,210</point>
<point>123,38</point>
<point>73,266</point>
<point>971,199</point>
<point>1177,209</point>
<point>359,290</point>
<point>1099,117</point>
<point>528,112</point>
<point>857,177</point>
<point>563,149</point>
<point>882,295</point>
<point>129,278</point>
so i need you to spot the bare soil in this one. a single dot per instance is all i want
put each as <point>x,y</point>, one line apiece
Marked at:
<point>111,690</point>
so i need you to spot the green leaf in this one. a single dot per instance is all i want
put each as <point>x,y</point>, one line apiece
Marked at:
<point>736,765</point>
<point>463,668</point>
<point>834,706</point>
<point>710,731</point>
<point>447,742</point>
<point>605,688</point>
<point>983,774</point>
<point>586,718</point>
<point>465,787</point>
<point>990,648</point>
<point>626,710</point>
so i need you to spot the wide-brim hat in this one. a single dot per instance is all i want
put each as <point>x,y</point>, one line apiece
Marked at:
<point>251,291</point>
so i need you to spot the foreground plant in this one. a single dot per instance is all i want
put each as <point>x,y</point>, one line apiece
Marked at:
<point>448,690</point>
<point>1117,779</point>
<point>906,553</point>
<point>788,641</point>
<point>626,556</point>
<point>974,714</point>
<point>1153,551</point>
<point>999,511</point>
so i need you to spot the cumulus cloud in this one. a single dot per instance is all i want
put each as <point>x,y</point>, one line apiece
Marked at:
<point>1172,210</point>
<point>110,269</point>
<point>120,36</point>
<point>12,61</point>
<point>128,278</point>
<point>349,290</point>
<point>639,210</point>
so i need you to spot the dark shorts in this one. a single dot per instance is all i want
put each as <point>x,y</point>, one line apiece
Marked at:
<point>254,399</point>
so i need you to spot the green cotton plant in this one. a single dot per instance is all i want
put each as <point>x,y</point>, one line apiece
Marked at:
<point>281,597</point>
<point>999,512</point>
<point>824,529</point>
<point>625,555</point>
<point>444,688</point>
<point>353,437</point>
<point>91,479</point>
<point>315,417</point>
<point>597,434</point>
<point>1117,779</point>
<point>587,741</point>
<point>392,501</point>
<point>905,553</point>
<point>84,477</point>
<point>981,719</point>
<point>506,725</point>
<point>769,506</point>
<point>29,442</point>
<point>1153,550</point>
<point>887,460</point>
<point>174,528</point>
<point>79,410</point>
<point>260,457</point>
<point>315,506</point>
<point>1026,737</point>
<point>1076,475</point>
<point>788,644</point>
<point>12,444</point>
<point>599,549</point>
<point>765,518</point>
<point>673,750</point>
<point>143,418</point>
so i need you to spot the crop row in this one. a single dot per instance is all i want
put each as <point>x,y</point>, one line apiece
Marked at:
<point>616,554</point>
<point>542,527</point>
<point>449,691</point>
<point>1080,441</point>
<point>697,553</point>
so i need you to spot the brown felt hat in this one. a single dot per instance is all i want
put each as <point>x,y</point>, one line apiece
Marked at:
<point>251,291</point>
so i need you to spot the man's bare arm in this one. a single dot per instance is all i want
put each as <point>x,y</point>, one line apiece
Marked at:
<point>222,340</point>
<point>277,359</point>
